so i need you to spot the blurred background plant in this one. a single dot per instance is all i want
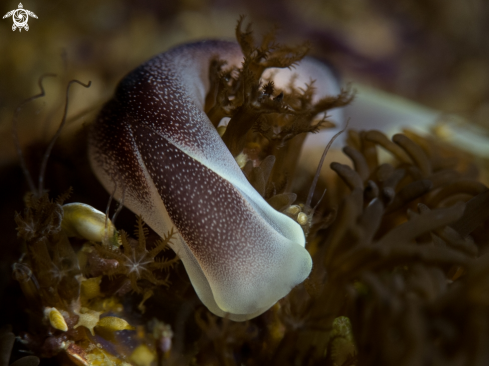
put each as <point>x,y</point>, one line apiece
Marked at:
<point>433,52</point>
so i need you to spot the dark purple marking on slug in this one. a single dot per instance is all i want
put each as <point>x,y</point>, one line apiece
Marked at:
<point>154,140</point>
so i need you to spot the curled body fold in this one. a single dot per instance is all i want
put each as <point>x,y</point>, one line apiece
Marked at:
<point>155,146</point>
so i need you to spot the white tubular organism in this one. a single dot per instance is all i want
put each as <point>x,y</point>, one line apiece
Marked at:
<point>155,146</point>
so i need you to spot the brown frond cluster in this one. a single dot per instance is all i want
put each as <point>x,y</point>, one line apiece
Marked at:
<point>400,273</point>
<point>75,296</point>
<point>41,219</point>
<point>265,121</point>
<point>134,263</point>
<point>402,254</point>
<point>49,268</point>
<point>222,336</point>
<point>409,240</point>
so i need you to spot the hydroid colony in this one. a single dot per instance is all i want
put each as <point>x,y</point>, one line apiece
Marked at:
<point>398,271</point>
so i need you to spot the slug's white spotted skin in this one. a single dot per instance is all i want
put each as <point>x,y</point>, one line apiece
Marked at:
<point>155,142</point>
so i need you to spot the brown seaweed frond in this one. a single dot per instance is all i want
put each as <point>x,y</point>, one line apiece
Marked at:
<point>218,103</point>
<point>269,53</point>
<point>301,119</point>
<point>41,218</point>
<point>434,319</point>
<point>396,257</point>
<point>48,254</point>
<point>278,130</point>
<point>64,196</point>
<point>258,176</point>
<point>135,262</point>
<point>215,76</point>
<point>399,247</point>
<point>250,99</point>
<point>346,96</point>
<point>265,121</point>
<point>382,196</point>
<point>223,338</point>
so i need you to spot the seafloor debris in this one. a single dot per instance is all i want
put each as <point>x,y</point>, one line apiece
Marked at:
<point>399,244</point>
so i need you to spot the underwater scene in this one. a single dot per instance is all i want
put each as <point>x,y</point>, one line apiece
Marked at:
<point>244,183</point>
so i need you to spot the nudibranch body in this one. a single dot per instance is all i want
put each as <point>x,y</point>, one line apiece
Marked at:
<point>155,147</point>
